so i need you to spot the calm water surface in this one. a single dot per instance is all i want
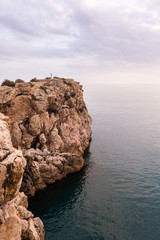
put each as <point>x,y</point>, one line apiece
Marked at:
<point>117,196</point>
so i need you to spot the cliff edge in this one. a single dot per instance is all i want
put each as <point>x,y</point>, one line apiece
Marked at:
<point>47,131</point>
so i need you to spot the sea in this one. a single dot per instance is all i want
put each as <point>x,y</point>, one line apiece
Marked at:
<point>117,195</point>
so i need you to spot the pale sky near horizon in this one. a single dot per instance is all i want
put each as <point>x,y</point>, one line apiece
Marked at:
<point>99,41</point>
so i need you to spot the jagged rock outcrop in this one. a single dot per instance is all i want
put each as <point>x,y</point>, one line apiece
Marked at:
<point>45,168</point>
<point>49,122</point>
<point>16,222</point>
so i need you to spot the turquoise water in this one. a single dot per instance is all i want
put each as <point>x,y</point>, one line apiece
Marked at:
<point>117,196</point>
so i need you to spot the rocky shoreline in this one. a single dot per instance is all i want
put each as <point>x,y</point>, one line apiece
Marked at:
<point>44,130</point>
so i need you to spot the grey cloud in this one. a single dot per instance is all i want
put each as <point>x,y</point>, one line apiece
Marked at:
<point>118,34</point>
<point>68,27</point>
<point>32,19</point>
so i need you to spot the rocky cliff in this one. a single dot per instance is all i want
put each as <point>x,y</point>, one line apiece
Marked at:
<point>50,129</point>
<point>49,122</point>
<point>16,222</point>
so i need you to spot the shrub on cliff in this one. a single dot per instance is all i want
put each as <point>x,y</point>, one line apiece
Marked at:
<point>66,82</point>
<point>43,88</point>
<point>34,80</point>
<point>8,83</point>
<point>73,94</point>
<point>53,107</point>
<point>67,94</point>
<point>19,81</point>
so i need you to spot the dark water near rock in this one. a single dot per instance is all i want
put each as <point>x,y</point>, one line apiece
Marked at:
<point>117,196</point>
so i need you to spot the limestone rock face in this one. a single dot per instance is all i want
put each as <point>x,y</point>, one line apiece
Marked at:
<point>14,217</point>
<point>45,168</point>
<point>49,122</point>
<point>12,164</point>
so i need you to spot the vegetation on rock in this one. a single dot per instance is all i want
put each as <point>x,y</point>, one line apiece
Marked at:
<point>8,83</point>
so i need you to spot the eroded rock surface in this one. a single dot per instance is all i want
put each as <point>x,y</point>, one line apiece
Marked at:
<point>16,222</point>
<point>49,122</point>
<point>45,168</point>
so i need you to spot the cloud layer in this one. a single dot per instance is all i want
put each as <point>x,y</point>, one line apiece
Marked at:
<point>88,33</point>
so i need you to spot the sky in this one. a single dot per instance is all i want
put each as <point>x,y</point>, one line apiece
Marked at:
<point>92,41</point>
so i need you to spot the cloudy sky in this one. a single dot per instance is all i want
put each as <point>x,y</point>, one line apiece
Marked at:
<point>102,41</point>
